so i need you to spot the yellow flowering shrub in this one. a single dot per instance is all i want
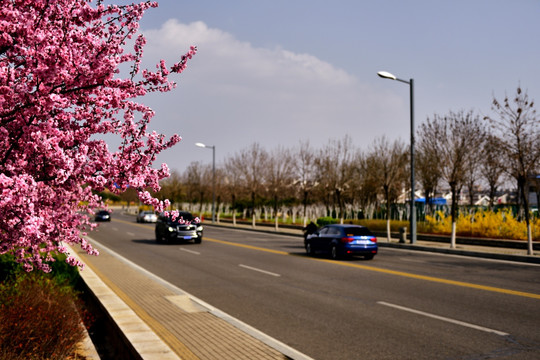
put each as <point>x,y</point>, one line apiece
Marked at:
<point>501,224</point>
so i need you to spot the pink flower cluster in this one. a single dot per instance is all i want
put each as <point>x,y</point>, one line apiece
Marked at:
<point>59,92</point>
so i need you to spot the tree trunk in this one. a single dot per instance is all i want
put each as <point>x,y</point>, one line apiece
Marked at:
<point>453,236</point>
<point>305,207</point>
<point>387,196</point>
<point>522,183</point>
<point>492,192</point>
<point>234,209</point>
<point>453,188</point>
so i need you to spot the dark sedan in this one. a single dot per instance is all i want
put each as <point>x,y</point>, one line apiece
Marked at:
<point>102,215</point>
<point>342,240</point>
<point>183,229</point>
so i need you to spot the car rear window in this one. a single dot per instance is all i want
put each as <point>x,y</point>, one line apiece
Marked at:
<point>358,231</point>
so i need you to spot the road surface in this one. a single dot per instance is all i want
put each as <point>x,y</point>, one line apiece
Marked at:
<point>401,305</point>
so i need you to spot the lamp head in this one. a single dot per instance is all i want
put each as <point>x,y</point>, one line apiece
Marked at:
<point>200,145</point>
<point>386,75</point>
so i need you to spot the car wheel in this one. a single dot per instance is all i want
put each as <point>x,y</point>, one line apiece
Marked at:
<point>159,238</point>
<point>198,240</point>
<point>309,249</point>
<point>334,252</point>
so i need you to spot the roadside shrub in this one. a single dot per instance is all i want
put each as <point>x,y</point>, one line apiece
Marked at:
<point>8,267</point>
<point>380,225</point>
<point>38,312</point>
<point>498,225</point>
<point>326,220</point>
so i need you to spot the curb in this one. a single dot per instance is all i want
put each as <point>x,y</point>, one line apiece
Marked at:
<point>137,339</point>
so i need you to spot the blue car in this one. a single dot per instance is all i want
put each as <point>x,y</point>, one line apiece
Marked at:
<point>342,240</point>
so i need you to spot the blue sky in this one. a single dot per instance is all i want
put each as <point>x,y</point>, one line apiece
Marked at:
<point>283,71</point>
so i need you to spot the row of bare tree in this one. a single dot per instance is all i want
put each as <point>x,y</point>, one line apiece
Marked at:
<point>454,151</point>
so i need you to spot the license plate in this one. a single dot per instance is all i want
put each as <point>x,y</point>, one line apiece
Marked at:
<point>362,242</point>
<point>187,237</point>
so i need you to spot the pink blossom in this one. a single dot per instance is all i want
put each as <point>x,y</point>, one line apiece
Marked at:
<point>59,91</point>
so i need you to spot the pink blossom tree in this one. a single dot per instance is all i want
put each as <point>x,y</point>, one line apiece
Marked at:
<point>60,92</point>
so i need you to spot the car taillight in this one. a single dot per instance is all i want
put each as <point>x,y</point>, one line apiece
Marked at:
<point>374,239</point>
<point>347,239</point>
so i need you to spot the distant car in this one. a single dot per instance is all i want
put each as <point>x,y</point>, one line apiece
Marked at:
<point>170,231</point>
<point>342,240</point>
<point>102,215</point>
<point>146,217</point>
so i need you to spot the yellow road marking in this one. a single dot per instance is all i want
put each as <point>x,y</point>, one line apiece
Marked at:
<point>392,272</point>
<point>248,246</point>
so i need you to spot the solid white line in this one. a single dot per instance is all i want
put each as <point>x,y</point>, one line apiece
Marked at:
<point>190,251</point>
<point>130,234</point>
<point>457,322</point>
<point>259,270</point>
<point>412,260</point>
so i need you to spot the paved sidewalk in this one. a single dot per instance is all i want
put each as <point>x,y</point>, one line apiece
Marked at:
<point>163,322</point>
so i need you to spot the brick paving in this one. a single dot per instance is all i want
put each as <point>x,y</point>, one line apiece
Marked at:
<point>187,328</point>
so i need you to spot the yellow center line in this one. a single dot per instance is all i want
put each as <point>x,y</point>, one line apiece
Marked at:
<point>392,272</point>
<point>248,246</point>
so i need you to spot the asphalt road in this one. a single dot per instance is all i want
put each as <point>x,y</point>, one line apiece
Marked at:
<point>401,305</point>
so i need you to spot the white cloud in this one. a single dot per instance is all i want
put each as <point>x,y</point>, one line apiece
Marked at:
<point>233,94</point>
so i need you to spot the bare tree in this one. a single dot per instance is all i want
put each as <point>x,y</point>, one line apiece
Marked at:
<point>389,162</point>
<point>220,188</point>
<point>492,166</point>
<point>206,186</point>
<point>518,129</point>
<point>453,137</point>
<point>428,167</point>
<point>305,173</point>
<point>336,168</point>
<point>233,181</point>
<point>195,185</point>
<point>473,167</point>
<point>171,188</point>
<point>365,182</point>
<point>251,162</point>
<point>278,176</point>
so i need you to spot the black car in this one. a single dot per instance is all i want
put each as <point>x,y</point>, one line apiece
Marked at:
<point>102,215</point>
<point>342,240</point>
<point>183,229</point>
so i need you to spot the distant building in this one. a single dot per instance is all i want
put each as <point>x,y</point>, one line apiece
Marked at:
<point>432,201</point>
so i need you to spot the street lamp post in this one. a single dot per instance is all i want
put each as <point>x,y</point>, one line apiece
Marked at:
<point>387,75</point>
<point>213,147</point>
